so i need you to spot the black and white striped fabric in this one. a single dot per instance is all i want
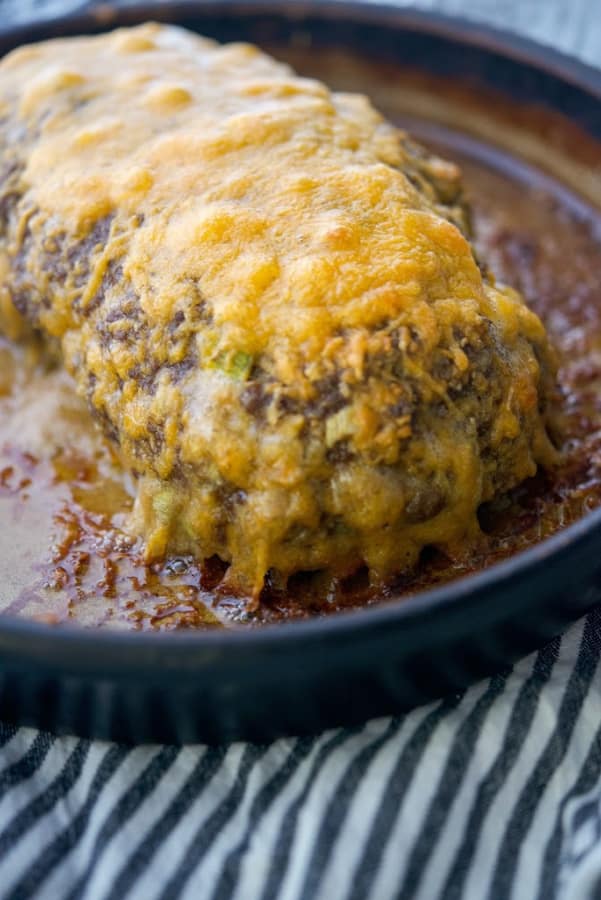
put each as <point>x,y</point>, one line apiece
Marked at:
<point>496,794</point>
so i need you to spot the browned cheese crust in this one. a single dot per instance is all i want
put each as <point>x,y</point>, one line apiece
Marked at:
<point>264,292</point>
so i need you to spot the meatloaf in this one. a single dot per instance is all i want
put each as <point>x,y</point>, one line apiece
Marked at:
<point>267,295</point>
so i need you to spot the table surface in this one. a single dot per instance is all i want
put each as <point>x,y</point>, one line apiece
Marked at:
<point>496,795</point>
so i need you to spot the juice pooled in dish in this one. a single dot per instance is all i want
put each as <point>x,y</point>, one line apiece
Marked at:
<point>267,296</point>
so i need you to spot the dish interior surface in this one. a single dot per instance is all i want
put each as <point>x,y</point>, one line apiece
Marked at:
<point>64,554</point>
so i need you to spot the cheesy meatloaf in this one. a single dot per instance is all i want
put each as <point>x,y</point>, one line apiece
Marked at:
<point>267,296</point>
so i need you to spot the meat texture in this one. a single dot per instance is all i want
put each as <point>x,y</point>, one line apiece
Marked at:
<point>267,296</point>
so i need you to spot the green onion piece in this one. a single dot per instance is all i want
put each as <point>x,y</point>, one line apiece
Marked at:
<point>235,363</point>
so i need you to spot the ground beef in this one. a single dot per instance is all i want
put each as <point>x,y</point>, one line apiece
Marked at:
<point>267,295</point>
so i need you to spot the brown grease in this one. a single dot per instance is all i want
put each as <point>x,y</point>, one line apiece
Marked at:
<point>64,555</point>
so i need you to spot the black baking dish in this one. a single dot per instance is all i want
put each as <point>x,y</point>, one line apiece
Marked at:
<point>301,677</point>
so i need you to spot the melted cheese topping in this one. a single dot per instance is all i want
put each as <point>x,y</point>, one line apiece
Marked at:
<point>194,219</point>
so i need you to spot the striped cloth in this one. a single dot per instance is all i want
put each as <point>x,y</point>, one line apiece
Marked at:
<point>494,794</point>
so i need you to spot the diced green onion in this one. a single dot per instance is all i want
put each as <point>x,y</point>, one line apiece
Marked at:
<point>235,363</point>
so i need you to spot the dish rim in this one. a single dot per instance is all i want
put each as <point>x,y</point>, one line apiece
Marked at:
<point>463,30</point>
<point>131,646</point>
